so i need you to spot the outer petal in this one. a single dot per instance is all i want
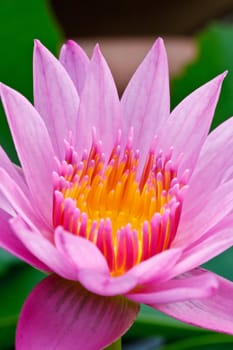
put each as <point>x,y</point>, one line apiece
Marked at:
<point>189,123</point>
<point>61,315</point>
<point>10,242</point>
<point>215,313</point>
<point>76,62</point>
<point>103,284</point>
<point>99,107</point>
<point>44,250</point>
<point>146,100</point>
<point>6,163</point>
<point>215,161</point>
<point>152,270</point>
<point>204,217</point>
<point>55,97</point>
<point>214,242</point>
<point>155,269</point>
<point>195,287</point>
<point>83,253</point>
<point>5,205</point>
<point>92,269</point>
<point>20,203</point>
<point>33,147</point>
<point>94,273</point>
<point>12,170</point>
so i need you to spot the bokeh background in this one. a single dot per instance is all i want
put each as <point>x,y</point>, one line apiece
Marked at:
<point>199,39</point>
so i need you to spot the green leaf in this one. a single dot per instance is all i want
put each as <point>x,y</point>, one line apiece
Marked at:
<point>15,286</point>
<point>222,264</point>
<point>20,23</point>
<point>6,261</point>
<point>154,323</point>
<point>203,342</point>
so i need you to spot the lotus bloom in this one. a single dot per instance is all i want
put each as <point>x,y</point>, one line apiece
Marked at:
<point>119,201</point>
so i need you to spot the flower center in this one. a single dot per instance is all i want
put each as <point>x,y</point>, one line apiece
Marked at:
<point>129,217</point>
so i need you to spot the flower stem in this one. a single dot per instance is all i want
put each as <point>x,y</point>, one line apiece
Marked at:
<point>115,346</point>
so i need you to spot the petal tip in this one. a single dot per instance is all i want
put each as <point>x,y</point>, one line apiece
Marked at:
<point>159,41</point>
<point>37,44</point>
<point>69,44</point>
<point>219,78</point>
<point>73,47</point>
<point>216,82</point>
<point>5,91</point>
<point>2,88</point>
<point>40,49</point>
<point>224,74</point>
<point>97,57</point>
<point>158,46</point>
<point>97,54</point>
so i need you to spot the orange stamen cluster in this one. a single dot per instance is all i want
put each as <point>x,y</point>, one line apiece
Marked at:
<point>130,218</point>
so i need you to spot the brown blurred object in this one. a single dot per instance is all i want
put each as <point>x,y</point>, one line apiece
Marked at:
<point>136,18</point>
<point>126,29</point>
<point>125,54</point>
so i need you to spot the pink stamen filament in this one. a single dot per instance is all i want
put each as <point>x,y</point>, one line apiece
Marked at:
<point>128,219</point>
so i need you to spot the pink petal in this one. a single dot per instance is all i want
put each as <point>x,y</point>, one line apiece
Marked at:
<point>33,147</point>
<point>10,242</point>
<point>214,242</point>
<point>5,205</point>
<point>91,265</point>
<point>93,271</point>
<point>55,97</point>
<point>12,170</point>
<point>208,214</point>
<point>215,158</point>
<point>103,284</point>
<point>189,123</point>
<point>146,100</point>
<point>61,314</point>
<point>194,287</point>
<point>44,250</point>
<point>76,62</point>
<point>80,251</point>
<point>155,268</point>
<point>99,107</point>
<point>215,313</point>
<point>19,202</point>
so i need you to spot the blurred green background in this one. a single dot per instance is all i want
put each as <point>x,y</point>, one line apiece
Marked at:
<point>21,22</point>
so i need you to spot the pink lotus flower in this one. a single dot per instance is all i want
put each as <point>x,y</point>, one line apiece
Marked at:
<point>119,200</point>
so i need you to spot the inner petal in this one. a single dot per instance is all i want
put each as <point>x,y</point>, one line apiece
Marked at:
<point>129,216</point>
